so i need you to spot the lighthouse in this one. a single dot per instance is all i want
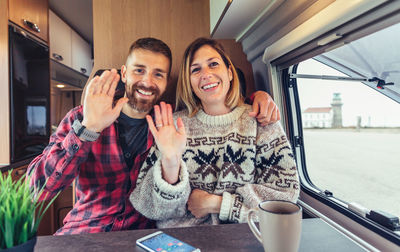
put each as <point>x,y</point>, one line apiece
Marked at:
<point>337,111</point>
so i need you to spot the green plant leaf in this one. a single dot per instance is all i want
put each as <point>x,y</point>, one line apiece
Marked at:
<point>20,210</point>
<point>9,230</point>
<point>24,234</point>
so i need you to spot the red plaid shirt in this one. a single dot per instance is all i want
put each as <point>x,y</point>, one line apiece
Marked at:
<point>104,180</point>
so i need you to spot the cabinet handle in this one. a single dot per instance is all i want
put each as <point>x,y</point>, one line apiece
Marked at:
<point>31,25</point>
<point>20,172</point>
<point>58,57</point>
<point>83,70</point>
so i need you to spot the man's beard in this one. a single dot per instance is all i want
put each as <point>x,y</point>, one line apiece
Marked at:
<point>141,105</point>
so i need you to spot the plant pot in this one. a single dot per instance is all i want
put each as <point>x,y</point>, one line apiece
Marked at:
<point>24,247</point>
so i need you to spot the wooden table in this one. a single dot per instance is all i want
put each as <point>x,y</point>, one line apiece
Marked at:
<point>316,236</point>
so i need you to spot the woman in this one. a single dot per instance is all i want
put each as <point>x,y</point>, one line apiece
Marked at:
<point>218,163</point>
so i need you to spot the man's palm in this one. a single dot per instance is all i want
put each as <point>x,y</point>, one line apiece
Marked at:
<point>98,110</point>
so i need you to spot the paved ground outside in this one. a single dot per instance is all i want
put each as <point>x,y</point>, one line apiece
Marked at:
<point>357,166</point>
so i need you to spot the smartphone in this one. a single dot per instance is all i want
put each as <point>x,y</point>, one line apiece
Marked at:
<point>161,242</point>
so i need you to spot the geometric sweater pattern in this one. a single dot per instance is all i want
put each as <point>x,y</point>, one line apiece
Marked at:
<point>229,155</point>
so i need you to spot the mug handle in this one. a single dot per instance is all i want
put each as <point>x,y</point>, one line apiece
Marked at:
<point>252,226</point>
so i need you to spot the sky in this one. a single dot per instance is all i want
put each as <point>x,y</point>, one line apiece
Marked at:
<point>375,109</point>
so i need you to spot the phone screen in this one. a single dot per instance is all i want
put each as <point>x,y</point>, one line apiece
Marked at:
<point>165,243</point>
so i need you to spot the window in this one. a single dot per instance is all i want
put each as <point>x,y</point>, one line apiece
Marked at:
<point>36,120</point>
<point>356,154</point>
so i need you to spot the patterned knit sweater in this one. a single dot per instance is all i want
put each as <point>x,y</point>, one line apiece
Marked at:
<point>228,155</point>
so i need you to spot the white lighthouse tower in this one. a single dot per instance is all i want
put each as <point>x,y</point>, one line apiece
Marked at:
<point>337,111</point>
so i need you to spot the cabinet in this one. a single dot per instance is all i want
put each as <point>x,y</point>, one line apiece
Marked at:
<point>67,47</point>
<point>81,54</point>
<point>17,173</point>
<point>62,205</point>
<point>60,40</point>
<point>32,15</point>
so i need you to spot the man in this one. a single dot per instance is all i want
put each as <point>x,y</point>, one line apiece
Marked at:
<point>104,148</point>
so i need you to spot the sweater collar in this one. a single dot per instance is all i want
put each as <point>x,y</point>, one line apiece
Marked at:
<point>220,120</point>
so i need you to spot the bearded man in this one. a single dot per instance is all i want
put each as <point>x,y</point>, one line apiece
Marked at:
<point>102,144</point>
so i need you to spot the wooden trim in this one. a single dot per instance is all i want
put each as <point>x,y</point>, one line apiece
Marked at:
<point>4,86</point>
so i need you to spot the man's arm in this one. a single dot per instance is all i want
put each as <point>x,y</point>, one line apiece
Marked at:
<point>60,161</point>
<point>264,108</point>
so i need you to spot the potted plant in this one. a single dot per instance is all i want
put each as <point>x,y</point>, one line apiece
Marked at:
<point>20,213</point>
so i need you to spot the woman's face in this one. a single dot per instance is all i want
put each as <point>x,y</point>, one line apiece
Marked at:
<point>210,78</point>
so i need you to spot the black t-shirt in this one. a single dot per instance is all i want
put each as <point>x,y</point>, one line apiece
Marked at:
<point>133,137</point>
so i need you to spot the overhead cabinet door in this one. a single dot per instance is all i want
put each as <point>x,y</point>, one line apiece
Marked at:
<point>81,55</point>
<point>60,40</point>
<point>31,15</point>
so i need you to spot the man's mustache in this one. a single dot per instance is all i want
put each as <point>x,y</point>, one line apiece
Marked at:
<point>155,90</point>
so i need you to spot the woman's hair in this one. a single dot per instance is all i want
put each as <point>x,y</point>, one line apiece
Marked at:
<point>185,97</point>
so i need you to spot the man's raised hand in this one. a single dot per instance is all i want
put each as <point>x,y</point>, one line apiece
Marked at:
<point>98,110</point>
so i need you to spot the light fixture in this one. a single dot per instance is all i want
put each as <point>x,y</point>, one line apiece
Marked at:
<point>60,85</point>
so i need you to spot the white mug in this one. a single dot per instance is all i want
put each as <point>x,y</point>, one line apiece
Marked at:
<point>280,225</point>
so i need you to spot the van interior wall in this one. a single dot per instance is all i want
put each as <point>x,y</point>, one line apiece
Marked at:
<point>271,28</point>
<point>117,23</point>
<point>4,90</point>
<point>235,51</point>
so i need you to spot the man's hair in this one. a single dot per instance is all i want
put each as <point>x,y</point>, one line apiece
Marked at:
<point>185,97</point>
<point>154,45</point>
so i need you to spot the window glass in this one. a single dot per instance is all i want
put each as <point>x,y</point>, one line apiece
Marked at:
<point>351,130</point>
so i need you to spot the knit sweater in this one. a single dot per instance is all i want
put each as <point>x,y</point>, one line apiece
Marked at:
<point>229,155</point>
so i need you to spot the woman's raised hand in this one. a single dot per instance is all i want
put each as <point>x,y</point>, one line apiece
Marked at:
<point>170,141</point>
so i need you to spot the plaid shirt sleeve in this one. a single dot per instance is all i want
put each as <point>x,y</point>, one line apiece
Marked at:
<point>59,163</point>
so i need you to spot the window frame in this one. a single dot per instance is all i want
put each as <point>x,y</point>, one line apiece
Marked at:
<point>295,124</point>
<point>279,70</point>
